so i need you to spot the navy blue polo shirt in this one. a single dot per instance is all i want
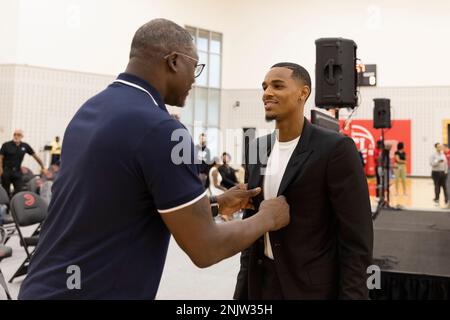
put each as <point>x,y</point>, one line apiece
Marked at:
<point>116,176</point>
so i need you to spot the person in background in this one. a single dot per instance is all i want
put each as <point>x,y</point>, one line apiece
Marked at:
<point>241,173</point>
<point>439,170</point>
<point>203,159</point>
<point>400,171</point>
<point>215,179</point>
<point>385,170</point>
<point>55,152</point>
<point>378,162</point>
<point>447,155</point>
<point>11,158</point>
<point>361,156</point>
<point>229,179</point>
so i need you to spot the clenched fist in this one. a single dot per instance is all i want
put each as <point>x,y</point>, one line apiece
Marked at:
<point>275,211</point>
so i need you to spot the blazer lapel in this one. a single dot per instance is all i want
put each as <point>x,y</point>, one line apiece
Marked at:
<point>301,153</point>
<point>263,148</point>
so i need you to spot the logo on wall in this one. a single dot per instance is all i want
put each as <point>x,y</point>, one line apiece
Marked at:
<point>363,137</point>
<point>366,137</point>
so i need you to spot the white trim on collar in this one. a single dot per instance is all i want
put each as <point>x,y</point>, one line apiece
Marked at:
<point>130,84</point>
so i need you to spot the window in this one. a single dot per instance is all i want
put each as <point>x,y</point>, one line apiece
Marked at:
<point>202,110</point>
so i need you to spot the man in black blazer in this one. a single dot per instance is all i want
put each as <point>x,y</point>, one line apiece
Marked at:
<point>325,250</point>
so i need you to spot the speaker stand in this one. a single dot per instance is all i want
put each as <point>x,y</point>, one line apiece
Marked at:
<point>384,171</point>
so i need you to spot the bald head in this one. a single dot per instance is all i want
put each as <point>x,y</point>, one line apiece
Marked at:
<point>158,38</point>
<point>164,55</point>
<point>18,135</point>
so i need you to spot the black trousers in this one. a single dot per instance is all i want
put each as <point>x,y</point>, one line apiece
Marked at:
<point>440,181</point>
<point>378,182</point>
<point>55,159</point>
<point>14,177</point>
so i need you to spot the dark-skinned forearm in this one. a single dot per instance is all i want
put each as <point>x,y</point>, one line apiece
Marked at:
<point>228,239</point>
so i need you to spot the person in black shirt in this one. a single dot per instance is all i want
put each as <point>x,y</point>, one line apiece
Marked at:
<point>229,179</point>
<point>361,157</point>
<point>378,155</point>
<point>203,160</point>
<point>11,157</point>
<point>400,171</point>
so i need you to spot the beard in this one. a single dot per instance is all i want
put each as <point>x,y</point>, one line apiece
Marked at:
<point>180,103</point>
<point>270,117</point>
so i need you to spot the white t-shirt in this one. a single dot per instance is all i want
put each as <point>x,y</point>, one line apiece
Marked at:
<point>276,166</point>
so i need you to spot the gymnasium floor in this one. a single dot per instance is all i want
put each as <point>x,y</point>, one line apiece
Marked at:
<point>419,195</point>
<point>182,280</point>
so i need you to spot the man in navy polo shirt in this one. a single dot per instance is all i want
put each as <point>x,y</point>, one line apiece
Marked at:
<point>122,190</point>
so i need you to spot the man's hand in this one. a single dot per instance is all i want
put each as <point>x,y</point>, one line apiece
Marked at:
<point>236,198</point>
<point>44,171</point>
<point>276,211</point>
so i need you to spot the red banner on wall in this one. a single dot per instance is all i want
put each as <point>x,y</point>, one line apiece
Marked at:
<point>366,137</point>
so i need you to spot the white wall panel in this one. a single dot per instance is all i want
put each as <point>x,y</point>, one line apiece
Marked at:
<point>9,30</point>
<point>6,101</point>
<point>405,38</point>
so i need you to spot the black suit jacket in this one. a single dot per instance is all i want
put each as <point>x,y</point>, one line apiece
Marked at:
<point>325,250</point>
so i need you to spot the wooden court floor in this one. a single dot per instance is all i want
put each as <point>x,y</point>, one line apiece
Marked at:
<point>419,194</point>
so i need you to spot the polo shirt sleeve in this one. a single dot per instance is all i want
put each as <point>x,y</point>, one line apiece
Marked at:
<point>28,149</point>
<point>166,158</point>
<point>3,150</point>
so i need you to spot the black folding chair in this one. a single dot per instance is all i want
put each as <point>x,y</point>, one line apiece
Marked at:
<point>27,175</point>
<point>6,219</point>
<point>5,252</point>
<point>27,209</point>
<point>4,201</point>
<point>33,185</point>
<point>4,205</point>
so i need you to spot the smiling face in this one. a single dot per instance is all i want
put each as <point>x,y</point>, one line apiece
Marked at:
<point>284,96</point>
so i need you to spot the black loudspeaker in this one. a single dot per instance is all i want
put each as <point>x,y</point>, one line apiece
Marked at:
<point>382,113</point>
<point>336,76</point>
